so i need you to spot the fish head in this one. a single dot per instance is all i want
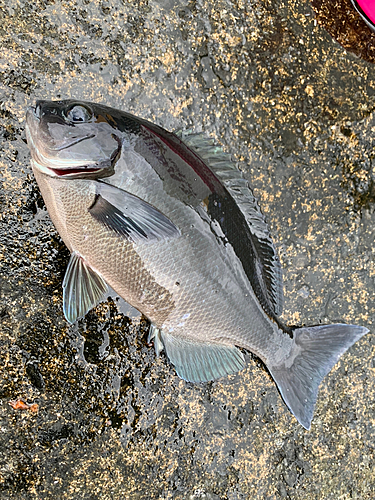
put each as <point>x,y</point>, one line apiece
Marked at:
<point>72,139</point>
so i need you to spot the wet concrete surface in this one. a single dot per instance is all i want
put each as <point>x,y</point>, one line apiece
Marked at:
<point>297,111</point>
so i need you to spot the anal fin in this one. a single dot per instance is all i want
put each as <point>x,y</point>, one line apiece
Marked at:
<point>83,288</point>
<point>201,361</point>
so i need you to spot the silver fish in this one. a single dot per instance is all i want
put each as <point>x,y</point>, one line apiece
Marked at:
<point>172,226</point>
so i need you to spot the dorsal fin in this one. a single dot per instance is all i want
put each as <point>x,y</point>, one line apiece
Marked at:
<point>268,266</point>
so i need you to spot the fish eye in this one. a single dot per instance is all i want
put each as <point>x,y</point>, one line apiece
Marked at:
<point>78,114</point>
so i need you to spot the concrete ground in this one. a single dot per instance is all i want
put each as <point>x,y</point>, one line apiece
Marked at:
<point>298,112</point>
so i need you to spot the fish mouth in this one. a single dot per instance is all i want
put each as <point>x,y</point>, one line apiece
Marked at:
<point>74,171</point>
<point>45,158</point>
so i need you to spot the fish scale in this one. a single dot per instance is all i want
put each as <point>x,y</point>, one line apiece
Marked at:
<point>225,308</point>
<point>197,246</point>
<point>169,222</point>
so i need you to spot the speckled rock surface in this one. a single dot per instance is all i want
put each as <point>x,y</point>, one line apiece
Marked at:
<point>298,113</point>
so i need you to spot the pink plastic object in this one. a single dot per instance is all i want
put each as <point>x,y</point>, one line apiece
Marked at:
<point>366,9</point>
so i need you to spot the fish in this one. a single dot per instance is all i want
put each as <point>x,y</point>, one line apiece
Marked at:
<point>169,222</point>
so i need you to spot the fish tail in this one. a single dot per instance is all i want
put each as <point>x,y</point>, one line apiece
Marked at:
<point>314,352</point>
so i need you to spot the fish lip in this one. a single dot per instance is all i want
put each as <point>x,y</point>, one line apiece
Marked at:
<point>74,172</point>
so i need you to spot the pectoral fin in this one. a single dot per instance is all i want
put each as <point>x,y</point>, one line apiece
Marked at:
<point>129,216</point>
<point>83,288</point>
<point>199,361</point>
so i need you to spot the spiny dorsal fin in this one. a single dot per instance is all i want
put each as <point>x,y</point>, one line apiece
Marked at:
<point>268,264</point>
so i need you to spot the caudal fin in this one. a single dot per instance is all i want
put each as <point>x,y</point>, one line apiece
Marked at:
<point>315,351</point>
